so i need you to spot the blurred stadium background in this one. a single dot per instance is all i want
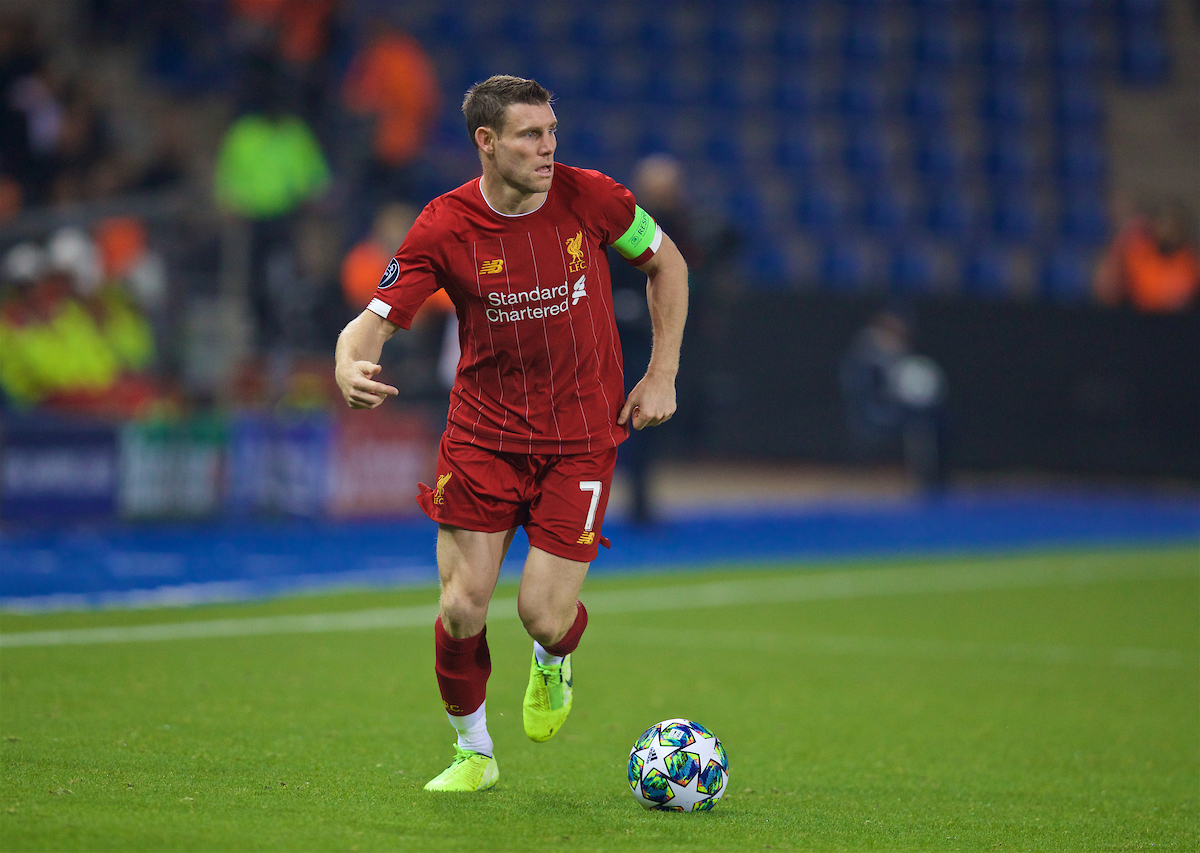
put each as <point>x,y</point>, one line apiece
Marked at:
<point>976,171</point>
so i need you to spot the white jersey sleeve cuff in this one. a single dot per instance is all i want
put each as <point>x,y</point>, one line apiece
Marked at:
<point>658,235</point>
<point>378,306</point>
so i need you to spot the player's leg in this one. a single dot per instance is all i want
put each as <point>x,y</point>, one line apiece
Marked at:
<point>549,606</point>
<point>476,525</point>
<point>564,532</point>
<point>468,567</point>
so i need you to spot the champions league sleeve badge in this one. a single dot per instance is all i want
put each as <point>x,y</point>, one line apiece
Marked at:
<point>390,275</point>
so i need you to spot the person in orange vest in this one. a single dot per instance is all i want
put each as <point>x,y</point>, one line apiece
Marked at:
<point>392,81</point>
<point>435,325</point>
<point>1152,263</point>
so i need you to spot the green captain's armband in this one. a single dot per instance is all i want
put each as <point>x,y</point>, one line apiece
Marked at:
<point>643,235</point>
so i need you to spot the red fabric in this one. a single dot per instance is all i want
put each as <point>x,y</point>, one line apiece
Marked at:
<point>541,363</point>
<point>488,491</point>
<point>570,641</point>
<point>462,667</point>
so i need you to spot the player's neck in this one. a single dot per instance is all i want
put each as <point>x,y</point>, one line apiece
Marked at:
<point>506,199</point>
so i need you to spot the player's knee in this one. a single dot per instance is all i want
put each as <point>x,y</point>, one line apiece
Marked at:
<point>545,627</point>
<point>463,610</point>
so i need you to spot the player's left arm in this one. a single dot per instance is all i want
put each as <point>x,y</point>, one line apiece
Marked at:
<point>652,400</point>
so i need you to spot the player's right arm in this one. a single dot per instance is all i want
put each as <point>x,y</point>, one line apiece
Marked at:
<point>357,360</point>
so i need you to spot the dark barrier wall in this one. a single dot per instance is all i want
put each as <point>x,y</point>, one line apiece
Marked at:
<point>1065,389</point>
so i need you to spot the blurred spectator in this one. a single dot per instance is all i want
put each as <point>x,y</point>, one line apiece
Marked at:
<point>1152,263</point>
<point>392,80</point>
<point>658,188</point>
<point>891,393</point>
<point>365,263</point>
<point>71,341</point>
<point>298,35</point>
<point>268,165</point>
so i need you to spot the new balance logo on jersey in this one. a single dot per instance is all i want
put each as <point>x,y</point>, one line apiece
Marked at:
<point>493,266</point>
<point>575,250</point>
<point>580,289</point>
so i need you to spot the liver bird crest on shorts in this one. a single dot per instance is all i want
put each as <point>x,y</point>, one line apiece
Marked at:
<point>439,496</point>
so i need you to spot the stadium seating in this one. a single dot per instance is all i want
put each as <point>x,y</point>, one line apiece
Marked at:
<point>915,122</point>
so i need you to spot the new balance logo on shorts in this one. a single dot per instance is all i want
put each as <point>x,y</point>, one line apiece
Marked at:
<point>586,538</point>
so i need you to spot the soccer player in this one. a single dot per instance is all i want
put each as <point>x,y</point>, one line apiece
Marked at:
<point>538,405</point>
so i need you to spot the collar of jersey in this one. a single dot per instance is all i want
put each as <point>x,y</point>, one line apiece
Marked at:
<point>483,195</point>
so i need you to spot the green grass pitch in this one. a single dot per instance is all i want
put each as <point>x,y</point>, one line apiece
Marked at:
<point>1032,702</point>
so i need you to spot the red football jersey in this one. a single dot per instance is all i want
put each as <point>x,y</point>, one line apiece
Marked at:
<point>540,364</point>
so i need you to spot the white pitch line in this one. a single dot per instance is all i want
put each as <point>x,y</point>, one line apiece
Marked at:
<point>803,586</point>
<point>923,649</point>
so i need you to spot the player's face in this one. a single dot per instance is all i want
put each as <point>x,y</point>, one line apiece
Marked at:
<point>525,147</point>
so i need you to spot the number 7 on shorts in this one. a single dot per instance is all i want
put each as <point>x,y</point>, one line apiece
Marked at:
<point>595,487</point>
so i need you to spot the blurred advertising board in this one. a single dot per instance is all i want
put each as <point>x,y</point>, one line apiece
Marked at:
<point>55,469</point>
<point>378,457</point>
<point>248,465</point>
<point>172,469</point>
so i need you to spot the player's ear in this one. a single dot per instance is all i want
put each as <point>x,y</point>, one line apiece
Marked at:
<point>485,139</point>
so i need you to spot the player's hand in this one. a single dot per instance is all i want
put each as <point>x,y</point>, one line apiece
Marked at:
<point>650,403</point>
<point>355,379</point>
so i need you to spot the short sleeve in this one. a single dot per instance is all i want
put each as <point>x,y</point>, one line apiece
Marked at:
<point>624,226</point>
<point>411,276</point>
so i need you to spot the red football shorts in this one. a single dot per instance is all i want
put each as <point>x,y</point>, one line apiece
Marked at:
<point>559,500</point>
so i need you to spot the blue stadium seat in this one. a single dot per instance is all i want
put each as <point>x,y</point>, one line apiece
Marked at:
<point>846,265</point>
<point>941,158</point>
<point>726,90</point>
<point>799,149</point>
<point>1079,105</point>
<point>864,42</point>
<point>938,45</point>
<point>588,30</point>
<point>765,263</point>
<point>953,214</point>
<point>824,207</point>
<point>1066,274</point>
<point>912,268</point>
<point>1011,158</point>
<point>1141,11</point>
<point>1145,60</point>
<point>1007,101</point>
<point>862,97</point>
<point>1075,50</point>
<point>890,210</point>
<point>798,94</point>
<point>519,30</point>
<point>988,272</point>
<point>1082,159</point>
<point>1007,48</point>
<point>448,27</point>
<point>723,144</point>
<point>725,38</point>
<point>797,39</point>
<point>1083,219</point>
<point>868,151</point>
<point>927,100</point>
<point>745,207</point>
<point>1015,217</point>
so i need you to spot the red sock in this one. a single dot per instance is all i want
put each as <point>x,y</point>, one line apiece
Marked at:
<point>569,642</point>
<point>462,667</point>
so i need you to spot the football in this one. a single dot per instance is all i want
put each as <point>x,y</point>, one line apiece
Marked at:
<point>678,766</point>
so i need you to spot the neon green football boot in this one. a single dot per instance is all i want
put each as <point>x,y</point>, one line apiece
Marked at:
<point>470,771</point>
<point>547,699</point>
